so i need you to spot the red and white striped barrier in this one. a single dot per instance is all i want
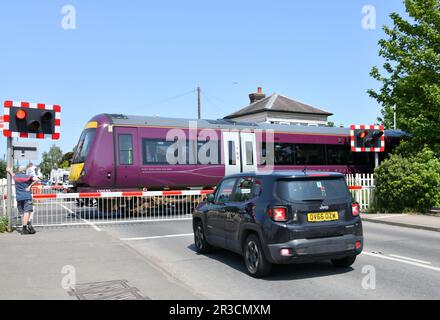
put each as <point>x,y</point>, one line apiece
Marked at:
<point>141,193</point>
<point>360,187</point>
<point>122,194</point>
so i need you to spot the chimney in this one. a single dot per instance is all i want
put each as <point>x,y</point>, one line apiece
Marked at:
<point>257,95</point>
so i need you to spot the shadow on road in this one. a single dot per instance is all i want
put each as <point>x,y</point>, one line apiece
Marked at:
<point>279,272</point>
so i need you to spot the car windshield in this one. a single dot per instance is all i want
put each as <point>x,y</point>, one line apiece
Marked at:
<point>312,189</point>
<point>83,147</point>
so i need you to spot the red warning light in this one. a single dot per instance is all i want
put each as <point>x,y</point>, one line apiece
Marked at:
<point>20,114</point>
<point>363,134</point>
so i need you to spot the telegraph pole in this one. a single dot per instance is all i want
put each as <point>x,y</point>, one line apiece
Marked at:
<point>199,104</point>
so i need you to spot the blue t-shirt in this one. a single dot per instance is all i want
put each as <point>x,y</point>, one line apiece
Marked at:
<point>22,182</point>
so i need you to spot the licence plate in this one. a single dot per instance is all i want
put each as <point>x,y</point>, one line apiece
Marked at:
<point>322,216</point>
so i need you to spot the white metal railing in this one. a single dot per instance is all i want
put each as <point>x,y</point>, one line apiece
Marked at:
<point>114,207</point>
<point>362,188</point>
<point>53,206</point>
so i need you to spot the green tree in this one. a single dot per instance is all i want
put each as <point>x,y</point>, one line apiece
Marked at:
<point>2,169</point>
<point>65,160</point>
<point>51,159</point>
<point>412,73</point>
<point>408,183</point>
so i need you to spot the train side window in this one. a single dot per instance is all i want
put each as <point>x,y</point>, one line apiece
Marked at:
<point>337,154</point>
<point>231,153</point>
<point>125,149</point>
<point>211,153</point>
<point>249,153</point>
<point>363,158</point>
<point>284,153</point>
<point>154,151</point>
<point>310,154</point>
<point>262,153</point>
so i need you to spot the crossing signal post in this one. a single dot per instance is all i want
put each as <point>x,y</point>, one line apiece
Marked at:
<point>27,120</point>
<point>368,138</point>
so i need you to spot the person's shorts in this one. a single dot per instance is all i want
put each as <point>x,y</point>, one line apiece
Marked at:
<point>24,206</point>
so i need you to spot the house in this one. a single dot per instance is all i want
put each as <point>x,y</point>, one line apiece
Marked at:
<point>279,109</point>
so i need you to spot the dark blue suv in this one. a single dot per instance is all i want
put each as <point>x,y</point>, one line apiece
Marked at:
<point>282,217</point>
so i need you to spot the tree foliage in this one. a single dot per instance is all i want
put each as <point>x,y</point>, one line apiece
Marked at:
<point>65,160</point>
<point>408,183</point>
<point>411,73</point>
<point>51,159</point>
<point>2,169</point>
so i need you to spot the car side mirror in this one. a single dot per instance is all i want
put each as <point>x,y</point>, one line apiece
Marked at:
<point>210,198</point>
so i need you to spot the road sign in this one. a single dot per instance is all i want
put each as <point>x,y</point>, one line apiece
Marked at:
<point>25,150</point>
<point>31,120</point>
<point>367,138</point>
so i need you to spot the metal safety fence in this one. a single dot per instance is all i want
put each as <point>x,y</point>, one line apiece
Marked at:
<point>58,209</point>
<point>53,206</point>
<point>362,188</point>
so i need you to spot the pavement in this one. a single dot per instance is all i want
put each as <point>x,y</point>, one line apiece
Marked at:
<point>36,266</point>
<point>417,221</point>
<point>158,259</point>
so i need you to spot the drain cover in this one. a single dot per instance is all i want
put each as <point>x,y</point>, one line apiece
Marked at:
<point>106,290</point>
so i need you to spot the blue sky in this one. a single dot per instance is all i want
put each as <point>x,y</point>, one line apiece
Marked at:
<point>133,56</point>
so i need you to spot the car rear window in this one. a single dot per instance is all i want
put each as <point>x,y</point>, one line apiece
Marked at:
<point>312,189</point>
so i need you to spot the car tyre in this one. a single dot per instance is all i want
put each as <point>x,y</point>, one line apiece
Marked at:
<point>344,262</point>
<point>202,246</point>
<point>254,258</point>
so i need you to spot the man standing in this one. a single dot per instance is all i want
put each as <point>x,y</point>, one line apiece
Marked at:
<point>23,194</point>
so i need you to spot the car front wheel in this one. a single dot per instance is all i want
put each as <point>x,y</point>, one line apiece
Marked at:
<point>256,263</point>
<point>202,246</point>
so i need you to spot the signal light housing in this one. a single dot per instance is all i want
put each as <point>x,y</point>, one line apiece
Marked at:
<point>31,120</point>
<point>366,138</point>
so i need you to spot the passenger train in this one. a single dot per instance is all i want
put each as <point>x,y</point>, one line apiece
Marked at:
<point>121,153</point>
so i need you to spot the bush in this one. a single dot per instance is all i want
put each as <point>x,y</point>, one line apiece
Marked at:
<point>408,184</point>
<point>3,224</point>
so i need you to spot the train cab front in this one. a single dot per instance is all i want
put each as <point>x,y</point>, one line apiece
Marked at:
<point>80,156</point>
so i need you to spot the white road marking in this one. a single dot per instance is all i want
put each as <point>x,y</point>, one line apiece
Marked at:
<point>86,221</point>
<point>63,206</point>
<point>158,237</point>
<point>401,260</point>
<point>92,225</point>
<point>410,259</point>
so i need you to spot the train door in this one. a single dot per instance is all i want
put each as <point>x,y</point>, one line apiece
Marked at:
<point>239,152</point>
<point>126,148</point>
<point>231,152</point>
<point>248,152</point>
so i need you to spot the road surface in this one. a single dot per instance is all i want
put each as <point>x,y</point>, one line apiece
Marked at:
<point>397,263</point>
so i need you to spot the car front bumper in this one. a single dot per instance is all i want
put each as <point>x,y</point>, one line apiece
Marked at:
<point>310,250</point>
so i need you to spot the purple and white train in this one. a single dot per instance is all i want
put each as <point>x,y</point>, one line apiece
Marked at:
<point>121,153</point>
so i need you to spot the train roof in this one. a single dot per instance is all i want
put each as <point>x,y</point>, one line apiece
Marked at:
<point>121,119</point>
<point>289,174</point>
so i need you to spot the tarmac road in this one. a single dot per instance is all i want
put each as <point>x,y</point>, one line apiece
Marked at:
<point>397,263</point>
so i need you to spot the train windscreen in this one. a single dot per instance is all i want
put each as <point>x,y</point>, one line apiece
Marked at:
<point>83,146</point>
